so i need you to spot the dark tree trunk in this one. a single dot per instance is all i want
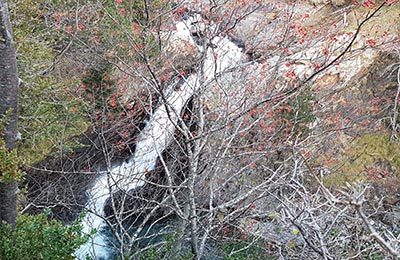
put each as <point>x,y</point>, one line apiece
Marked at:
<point>8,100</point>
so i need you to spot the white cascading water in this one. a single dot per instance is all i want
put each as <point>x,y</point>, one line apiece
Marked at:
<point>154,138</point>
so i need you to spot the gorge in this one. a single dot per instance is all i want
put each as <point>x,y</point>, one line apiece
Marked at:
<point>228,130</point>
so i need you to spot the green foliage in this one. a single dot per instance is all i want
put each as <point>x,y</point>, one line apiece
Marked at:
<point>299,113</point>
<point>132,39</point>
<point>9,164</point>
<point>245,250</point>
<point>150,254</point>
<point>47,119</point>
<point>167,249</point>
<point>139,11</point>
<point>375,256</point>
<point>9,160</point>
<point>36,237</point>
<point>100,90</point>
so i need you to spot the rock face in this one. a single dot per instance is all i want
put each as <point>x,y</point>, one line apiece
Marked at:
<point>258,30</point>
<point>178,50</point>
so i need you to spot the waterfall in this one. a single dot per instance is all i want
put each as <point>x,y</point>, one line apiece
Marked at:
<point>97,246</point>
<point>154,138</point>
<point>157,134</point>
<point>152,141</point>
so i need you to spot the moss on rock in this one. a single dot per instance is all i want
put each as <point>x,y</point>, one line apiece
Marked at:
<point>367,154</point>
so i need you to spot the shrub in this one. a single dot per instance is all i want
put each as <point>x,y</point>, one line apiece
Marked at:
<point>38,237</point>
<point>245,250</point>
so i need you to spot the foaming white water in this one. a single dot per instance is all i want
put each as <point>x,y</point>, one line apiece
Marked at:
<point>97,246</point>
<point>155,137</point>
<point>157,134</point>
<point>152,141</point>
<point>224,55</point>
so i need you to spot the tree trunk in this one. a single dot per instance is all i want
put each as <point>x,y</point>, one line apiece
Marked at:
<point>8,100</point>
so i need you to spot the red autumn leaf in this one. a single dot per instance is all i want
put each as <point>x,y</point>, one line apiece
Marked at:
<point>369,3</point>
<point>371,42</point>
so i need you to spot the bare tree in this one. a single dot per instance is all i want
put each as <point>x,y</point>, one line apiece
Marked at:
<point>225,152</point>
